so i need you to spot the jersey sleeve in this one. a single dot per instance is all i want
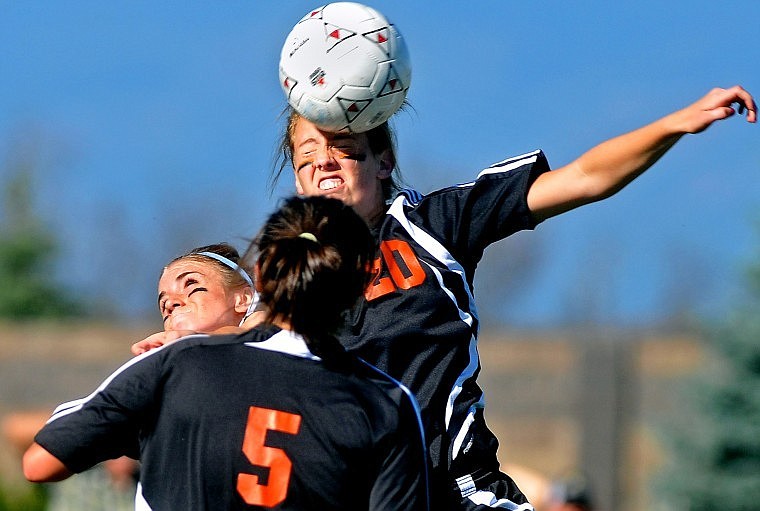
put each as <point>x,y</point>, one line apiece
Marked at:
<point>468,217</point>
<point>402,483</point>
<point>107,423</point>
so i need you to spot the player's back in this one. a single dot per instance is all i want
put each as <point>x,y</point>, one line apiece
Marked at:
<point>258,420</point>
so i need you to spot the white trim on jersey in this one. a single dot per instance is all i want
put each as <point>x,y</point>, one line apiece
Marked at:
<point>469,371</point>
<point>437,250</point>
<point>140,503</point>
<point>469,491</point>
<point>487,498</point>
<point>505,166</point>
<point>480,403</point>
<point>412,195</point>
<point>511,163</point>
<point>73,406</point>
<point>466,485</point>
<point>285,341</point>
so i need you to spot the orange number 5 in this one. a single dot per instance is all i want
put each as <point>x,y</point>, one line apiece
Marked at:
<point>261,420</point>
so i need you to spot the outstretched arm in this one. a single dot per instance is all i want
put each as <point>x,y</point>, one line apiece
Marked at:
<point>610,166</point>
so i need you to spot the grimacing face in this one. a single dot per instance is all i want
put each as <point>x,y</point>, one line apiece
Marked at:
<point>341,166</point>
<point>192,296</point>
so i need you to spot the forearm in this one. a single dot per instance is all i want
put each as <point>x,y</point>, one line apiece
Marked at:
<point>616,162</point>
<point>611,165</point>
<point>601,171</point>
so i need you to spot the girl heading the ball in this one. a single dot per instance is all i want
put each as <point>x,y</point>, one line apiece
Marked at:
<point>418,321</point>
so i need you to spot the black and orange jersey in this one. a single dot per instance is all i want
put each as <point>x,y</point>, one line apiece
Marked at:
<point>251,422</point>
<point>419,322</point>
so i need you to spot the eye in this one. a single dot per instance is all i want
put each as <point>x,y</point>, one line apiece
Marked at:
<point>343,151</point>
<point>348,150</point>
<point>304,163</point>
<point>303,157</point>
<point>190,282</point>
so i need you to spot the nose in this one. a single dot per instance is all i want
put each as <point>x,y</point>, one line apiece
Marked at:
<point>171,303</point>
<point>324,159</point>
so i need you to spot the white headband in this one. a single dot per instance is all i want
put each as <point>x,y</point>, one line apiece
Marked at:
<point>229,263</point>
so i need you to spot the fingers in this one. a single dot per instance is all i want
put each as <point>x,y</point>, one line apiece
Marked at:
<point>150,342</point>
<point>157,340</point>
<point>744,101</point>
<point>144,346</point>
<point>716,105</point>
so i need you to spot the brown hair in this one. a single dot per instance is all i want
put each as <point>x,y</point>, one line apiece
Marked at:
<point>314,257</point>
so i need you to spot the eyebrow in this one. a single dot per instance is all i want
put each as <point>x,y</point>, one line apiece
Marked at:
<point>179,277</point>
<point>310,140</point>
<point>336,137</point>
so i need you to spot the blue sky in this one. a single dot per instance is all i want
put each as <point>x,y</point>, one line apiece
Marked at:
<point>156,123</point>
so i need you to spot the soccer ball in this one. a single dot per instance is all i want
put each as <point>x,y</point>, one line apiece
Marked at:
<point>345,68</point>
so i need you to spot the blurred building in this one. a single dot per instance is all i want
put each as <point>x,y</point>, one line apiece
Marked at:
<point>560,402</point>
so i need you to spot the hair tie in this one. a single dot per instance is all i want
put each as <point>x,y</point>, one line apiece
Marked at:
<point>308,236</point>
<point>228,262</point>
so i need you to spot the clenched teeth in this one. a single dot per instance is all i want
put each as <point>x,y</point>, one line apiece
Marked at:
<point>329,184</point>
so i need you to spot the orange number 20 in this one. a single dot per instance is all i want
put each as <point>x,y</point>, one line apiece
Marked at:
<point>261,420</point>
<point>411,275</point>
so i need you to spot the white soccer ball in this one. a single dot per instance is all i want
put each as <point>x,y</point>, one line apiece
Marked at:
<point>345,68</point>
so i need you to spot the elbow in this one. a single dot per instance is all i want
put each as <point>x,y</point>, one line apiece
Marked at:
<point>32,476</point>
<point>39,466</point>
<point>32,473</point>
<point>32,469</point>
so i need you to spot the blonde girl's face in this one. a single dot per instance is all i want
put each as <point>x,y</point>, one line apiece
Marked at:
<point>192,296</point>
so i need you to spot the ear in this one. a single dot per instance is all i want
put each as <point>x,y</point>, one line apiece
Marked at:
<point>299,188</point>
<point>387,162</point>
<point>243,299</point>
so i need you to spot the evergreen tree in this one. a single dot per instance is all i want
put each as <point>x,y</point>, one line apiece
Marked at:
<point>27,253</point>
<point>715,444</point>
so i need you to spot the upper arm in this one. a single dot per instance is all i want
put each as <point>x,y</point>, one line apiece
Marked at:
<point>42,467</point>
<point>106,424</point>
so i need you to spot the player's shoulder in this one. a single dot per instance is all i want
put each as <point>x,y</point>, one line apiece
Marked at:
<point>195,341</point>
<point>532,163</point>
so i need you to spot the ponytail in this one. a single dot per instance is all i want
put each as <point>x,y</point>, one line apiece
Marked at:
<point>313,257</point>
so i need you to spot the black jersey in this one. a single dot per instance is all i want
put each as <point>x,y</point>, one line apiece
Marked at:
<point>251,422</point>
<point>419,321</point>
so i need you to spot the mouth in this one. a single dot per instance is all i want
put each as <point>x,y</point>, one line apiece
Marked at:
<point>179,320</point>
<point>179,313</point>
<point>330,183</point>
